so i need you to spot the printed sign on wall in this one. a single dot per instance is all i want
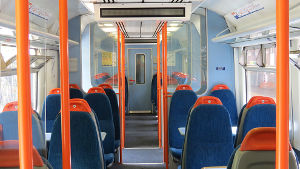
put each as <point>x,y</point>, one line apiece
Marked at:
<point>247,10</point>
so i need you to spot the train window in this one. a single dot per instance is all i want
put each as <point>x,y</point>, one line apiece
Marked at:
<point>269,55</point>
<point>261,80</point>
<point>261,84</point>
<point>104,61</point>
<point>140,69</point>
<point>252,55</point>
<point>187,53</point>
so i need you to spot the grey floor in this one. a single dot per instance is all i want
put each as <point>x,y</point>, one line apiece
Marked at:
<point>141,144</point>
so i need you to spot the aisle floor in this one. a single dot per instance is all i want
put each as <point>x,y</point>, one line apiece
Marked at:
<point>141,144</point>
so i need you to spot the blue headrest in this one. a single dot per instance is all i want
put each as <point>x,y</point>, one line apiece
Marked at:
<point>208,140</point>
<point>227,98</point>
<point>51,108</point>
<point>181,103</point>
<point>261,115</point>
<point>75,93</point>
<point>9,122</point>
<point>86,149</point>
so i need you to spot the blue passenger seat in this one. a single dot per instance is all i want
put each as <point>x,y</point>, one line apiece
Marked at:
<point>75,94</point>
<point>51,109</point>
<point>9,123</point>
<point>86,147</point>
<point>208,138</point>
<point>227,97</point>
<point>259,112</point>
<point>99,102</point>
<point>258,151</point>
<point>182,101</point>
<point>115,110</point>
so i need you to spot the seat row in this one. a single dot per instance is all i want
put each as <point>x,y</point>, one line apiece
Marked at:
<point>212,122</point>
<point>103,102</point>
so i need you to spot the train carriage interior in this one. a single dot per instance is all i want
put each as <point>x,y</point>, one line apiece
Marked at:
<point>149,84</point>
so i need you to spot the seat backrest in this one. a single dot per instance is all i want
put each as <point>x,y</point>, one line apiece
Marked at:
<point>9,156</point>
<point>154,90</point>
<point>227,97</point>
<point>86,148</point>
<point>181,103</point>
<point>259,112</point>
<point>114,107</point>
<point>100,103</point>
<point>75,94</point>
<point>208,138</point>
<point>51,109</point>
<point>74,86</point>
<point>258,151</point>
<point>9,123</point>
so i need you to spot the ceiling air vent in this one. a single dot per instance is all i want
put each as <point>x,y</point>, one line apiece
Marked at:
<point>143,11</point>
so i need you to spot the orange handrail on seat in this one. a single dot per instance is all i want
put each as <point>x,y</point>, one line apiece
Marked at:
<point>24,92</point>
<point>282,83</point>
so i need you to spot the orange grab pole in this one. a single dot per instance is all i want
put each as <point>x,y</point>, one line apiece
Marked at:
<point>24,94</point>
<point>123,89</point>
<point>64,84</point>
<point>158,89</point>
<point>119,81</point>
<point>282,80</point>
<point>165,98</point>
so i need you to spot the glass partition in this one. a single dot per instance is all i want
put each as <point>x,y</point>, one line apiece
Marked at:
<point>104,59</point>
<point>187,54</point>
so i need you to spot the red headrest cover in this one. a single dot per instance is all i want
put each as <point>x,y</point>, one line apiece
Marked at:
<point>55,91</point>
<point>259,100</point>
<point>79,105</point>
<point>96,90</point>
<point>219,87</point>
<point>105,86</point>
<point>263,138</point>
<point>207,100</point>
<point>12,106</point>
<point>184,87</point>
<point>74,86</point>
<point>9,155</point>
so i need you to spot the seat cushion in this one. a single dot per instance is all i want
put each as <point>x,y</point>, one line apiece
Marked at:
<point>176,153</point>
<point>109,158</point>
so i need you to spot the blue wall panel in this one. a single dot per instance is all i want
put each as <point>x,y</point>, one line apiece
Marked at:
<point>219,54</point>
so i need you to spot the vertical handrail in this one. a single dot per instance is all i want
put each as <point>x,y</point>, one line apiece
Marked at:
<point>24,93</point>
<point>282,80</point>
<point>123,88</point>
<point>64,84</point>
<point>165,96</point>
<point>158,89</point>
<point>120,88</point>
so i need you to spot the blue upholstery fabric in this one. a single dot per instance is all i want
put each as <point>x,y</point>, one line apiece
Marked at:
<point>227,98</point>
<point>109,158</point>
<point>208,140</point>
<point>181,103</point>
<point>86,150</point>
<point>154,90</point>
<point>116,116</point>
<point>75,93</point>
<point>51,108</point>
<point>101,105</point>
<point>176,153</point>
<point>262,115</point>
<point>9,121</point>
